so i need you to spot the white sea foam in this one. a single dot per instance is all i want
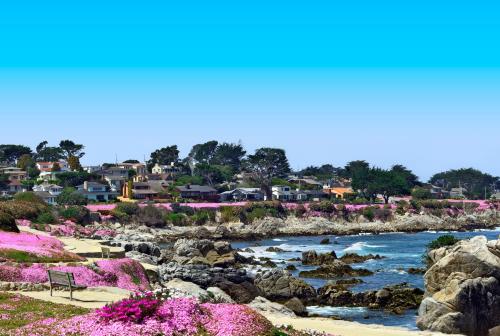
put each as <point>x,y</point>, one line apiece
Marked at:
<point>360,246</point>
<point>279,240</point>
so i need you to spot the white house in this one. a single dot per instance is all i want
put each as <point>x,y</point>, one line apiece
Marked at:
<point>165,169</point>
<point>281,193</point>
<point>52,189</point>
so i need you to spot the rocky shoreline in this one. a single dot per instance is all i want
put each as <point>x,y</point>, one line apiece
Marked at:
<point>200,262</point>
<point>311,226</point>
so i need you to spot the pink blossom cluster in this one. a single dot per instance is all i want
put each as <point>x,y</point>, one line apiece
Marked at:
<point>123,273</point>
<point>27,242</point>
<point>71,229</point>
<point>230,319</point>
<point>181,316</point>
<point>130,273</point>
<point>23,222</point>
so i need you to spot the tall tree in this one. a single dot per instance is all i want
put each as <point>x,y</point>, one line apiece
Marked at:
<point>407,174</point>
<point>164,156</point>
<point>69,149</point>
<point>74,163</point>
<point>475,181</point>
<point>10,153</point>
<point>203,153</point>
<point>211,174</point>
<point>47,153</point>
<point>387,183</point>
<point>266,164</point>
<point>28,164</point>
<point>359,173</point>
<point>229,154</point>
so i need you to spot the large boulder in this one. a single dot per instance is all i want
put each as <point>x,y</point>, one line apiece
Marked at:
<point>334,269</point>
<point>471,257</point>
<point>313,258</point>
<point>264,306</point>
<point>395,298</point>
<point>200,274</point>
<point>279,285</point>
<point>193,247</point>
<point>463,289</point>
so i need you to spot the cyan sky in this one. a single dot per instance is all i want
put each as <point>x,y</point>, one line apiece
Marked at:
<point>416,82</point>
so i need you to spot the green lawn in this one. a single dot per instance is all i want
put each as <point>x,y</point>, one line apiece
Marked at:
<point>17,311</point>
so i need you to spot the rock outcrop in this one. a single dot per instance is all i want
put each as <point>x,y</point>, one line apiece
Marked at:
<point>313,258</point>
<point>463,288</point>
<point>396,298</point>
<point>279,285</point>
<point>335,269</point>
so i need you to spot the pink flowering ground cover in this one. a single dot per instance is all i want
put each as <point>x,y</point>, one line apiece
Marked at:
<point>152,317</point>
<point>71,229</point>
<point>123,273</point>
<point>27,247</point>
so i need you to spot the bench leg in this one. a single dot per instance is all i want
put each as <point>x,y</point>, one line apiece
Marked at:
<point>50,289</point>
<point>70,293</point>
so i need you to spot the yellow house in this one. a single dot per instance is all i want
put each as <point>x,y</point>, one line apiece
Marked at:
<point>338,192</point>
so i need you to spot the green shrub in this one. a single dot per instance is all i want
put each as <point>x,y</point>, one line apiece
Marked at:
<point>7,223</point>
<point>368,213</point>
<point>69,196</point>
<point>128,208</point>
<point>201,217</point>
<point>384,214</point>
<point>151,216</point>
<point>445,240</point>
<point>28,196</point>
<point>75,213</point>
<point>182,209</point>
<point>323,206</point>
<point>416,205</point>
<point>23,209</point>
<point>46,218</point>
<point>300,211</point>
<point>257,213</point>
<point>177,219</point>
<point>419,193</point>
<point>436,212</point>
<point>402,207</point>
<point>230,214</point>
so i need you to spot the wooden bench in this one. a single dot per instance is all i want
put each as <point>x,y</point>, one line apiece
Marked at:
<point>105,251</point>
<point>63,279</point>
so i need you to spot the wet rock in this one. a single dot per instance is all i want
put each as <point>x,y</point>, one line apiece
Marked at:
<point>142,257</point>
<point>295,305</point>
<point>243,292</point>
<point>325,241</point>
<point>274,249</point>
<point>264,306</point>
<point>413,270</point>
<point>148,248</point>
<point>396,298</point>
<point>353,258</point>
<point>313,258</point>
<point>334,270</point>
<point>278,284</point>
<point>291,268</point>
<point>202,275</point>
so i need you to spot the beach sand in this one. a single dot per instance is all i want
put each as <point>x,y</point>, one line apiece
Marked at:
<point>344,328</point>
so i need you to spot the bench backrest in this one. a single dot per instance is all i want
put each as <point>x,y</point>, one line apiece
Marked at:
<point>61,278</point>
<point>106,251</point>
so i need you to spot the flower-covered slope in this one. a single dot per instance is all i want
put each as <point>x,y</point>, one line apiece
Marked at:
<point>27,247</point>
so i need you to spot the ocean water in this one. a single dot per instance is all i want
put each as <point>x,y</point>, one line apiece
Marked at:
<point>401,251</point>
